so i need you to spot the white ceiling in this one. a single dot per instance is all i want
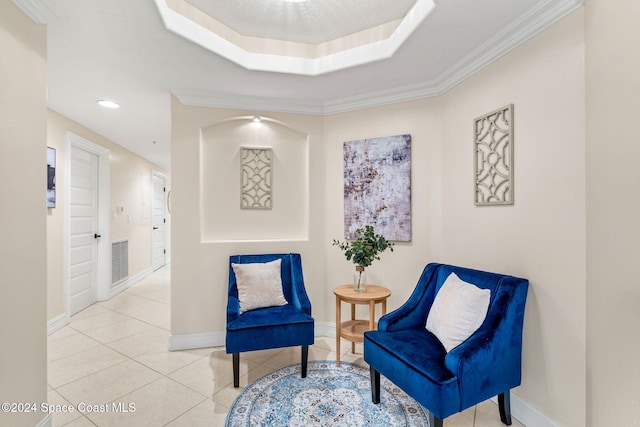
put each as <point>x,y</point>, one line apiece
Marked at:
<point>121,50</point>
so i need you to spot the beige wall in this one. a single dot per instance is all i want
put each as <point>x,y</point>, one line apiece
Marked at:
<point>23,255</point>
<point>541,237</point>
<point>613,210</point>
<point>129,187</point>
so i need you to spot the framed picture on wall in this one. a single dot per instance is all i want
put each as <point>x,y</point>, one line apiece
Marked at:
<point>51,177</point>
<point>377,186</point>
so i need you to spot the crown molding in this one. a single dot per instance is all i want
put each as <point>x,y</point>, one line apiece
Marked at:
<point>533,23</point>
<point>40,11</point>
<point>253,103</point>
<point>383,97</point>
<point>518,32</point>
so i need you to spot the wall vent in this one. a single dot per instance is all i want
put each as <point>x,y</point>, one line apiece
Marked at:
<point>119,261</point>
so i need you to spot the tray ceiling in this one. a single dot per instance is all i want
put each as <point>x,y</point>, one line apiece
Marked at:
<point>124,50</point>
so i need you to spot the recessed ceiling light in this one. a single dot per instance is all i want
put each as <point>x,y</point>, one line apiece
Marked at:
<point>108,104</point>
<point>257,119</point>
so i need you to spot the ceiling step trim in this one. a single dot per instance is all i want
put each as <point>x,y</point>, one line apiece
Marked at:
<point>363,54</point>
<point>40,11</point>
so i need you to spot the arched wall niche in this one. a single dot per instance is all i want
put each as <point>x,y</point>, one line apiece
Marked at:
<point>222,219</point>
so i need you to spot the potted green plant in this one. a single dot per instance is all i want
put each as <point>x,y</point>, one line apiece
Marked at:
<point>363,250</point>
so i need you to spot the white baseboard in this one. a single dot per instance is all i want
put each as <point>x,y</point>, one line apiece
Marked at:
<point>199,340</point>
<point>325,329</point>
<point>62,320</point>
<point>57,323</point>
<point>129,282</point>
<point>527,414</point>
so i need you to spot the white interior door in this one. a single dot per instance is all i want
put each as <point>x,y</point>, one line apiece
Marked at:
<point>83,229</point>
<point>158,220</point>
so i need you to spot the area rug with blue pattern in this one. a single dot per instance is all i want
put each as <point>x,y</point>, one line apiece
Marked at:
<point>329,396</point>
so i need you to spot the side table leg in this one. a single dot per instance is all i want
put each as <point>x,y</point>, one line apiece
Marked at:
<point>372,314</point>
<point>353,317</point>
<point>338,318</point>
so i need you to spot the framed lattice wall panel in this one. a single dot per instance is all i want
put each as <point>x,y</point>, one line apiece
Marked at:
<point>255,184</point>
<point>493,158</point>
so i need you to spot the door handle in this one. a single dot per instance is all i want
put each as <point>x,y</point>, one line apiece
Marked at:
<point>155,228</point>
<point>96,236</point>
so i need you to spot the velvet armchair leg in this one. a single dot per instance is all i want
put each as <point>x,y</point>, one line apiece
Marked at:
<point>305,359</point>
<point>504,405</point>
<point>236,370</point>
<point>375,385</point>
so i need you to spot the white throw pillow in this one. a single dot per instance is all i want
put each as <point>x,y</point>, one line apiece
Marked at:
<point>259,285</point>
<point>457,311</point>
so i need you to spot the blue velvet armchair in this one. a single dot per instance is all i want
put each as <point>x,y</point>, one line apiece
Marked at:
<point>270,327</point>
<point>487,364</point>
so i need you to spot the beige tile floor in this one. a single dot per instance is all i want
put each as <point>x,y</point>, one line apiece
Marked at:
<point>116,352</point>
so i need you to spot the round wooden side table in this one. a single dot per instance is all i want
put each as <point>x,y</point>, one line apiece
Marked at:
<point>354,329</point>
